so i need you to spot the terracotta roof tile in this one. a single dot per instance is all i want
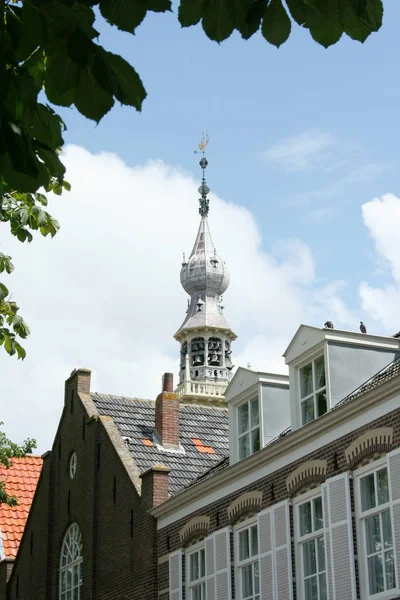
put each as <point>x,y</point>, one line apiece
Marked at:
<point>20,481</point>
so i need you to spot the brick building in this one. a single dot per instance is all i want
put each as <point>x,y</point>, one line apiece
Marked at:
<point>253,487</point>
<point>310,514</point>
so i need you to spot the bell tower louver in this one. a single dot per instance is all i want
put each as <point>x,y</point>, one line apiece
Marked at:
<point>205,335</point>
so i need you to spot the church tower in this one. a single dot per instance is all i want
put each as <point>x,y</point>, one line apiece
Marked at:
<point>205,336</point>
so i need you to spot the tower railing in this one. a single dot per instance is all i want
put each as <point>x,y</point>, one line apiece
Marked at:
<point>201,389</point>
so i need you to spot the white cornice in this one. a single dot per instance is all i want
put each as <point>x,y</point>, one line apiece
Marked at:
<point>292,442</point>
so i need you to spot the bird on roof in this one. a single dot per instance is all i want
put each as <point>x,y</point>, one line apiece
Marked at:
<point>396,335</point>
<point>363,329</point>
<point>328,325</point>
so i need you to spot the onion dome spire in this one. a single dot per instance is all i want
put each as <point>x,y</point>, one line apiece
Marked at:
<point>204,190</point>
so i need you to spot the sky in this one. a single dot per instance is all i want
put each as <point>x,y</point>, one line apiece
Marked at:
<point>305,210</point>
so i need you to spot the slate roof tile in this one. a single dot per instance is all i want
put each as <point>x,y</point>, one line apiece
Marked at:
<point>20,481</point>
<point>134,419</point>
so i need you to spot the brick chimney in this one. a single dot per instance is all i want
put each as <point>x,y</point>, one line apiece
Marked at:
<point>167,415</point>
<point>155,485</point>
<point>77,382</point>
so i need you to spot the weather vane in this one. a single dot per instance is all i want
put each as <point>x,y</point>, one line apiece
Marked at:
<point>205,138</point>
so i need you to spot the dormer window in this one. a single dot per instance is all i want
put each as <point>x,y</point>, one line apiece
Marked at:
<point>248,428</point>
<point>313,400</point>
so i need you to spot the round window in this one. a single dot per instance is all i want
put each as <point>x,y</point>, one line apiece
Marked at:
<point>73,463</point>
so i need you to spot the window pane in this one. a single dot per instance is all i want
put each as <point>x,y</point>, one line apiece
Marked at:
<point>202,563</point>
<point>373,534</point>
<point>389,568</point>
<point>368,492</point>
<point>318,515</point>
<point>311,588</point>
<point>247,581</point>
<point>375,575</point>
<point>254,541</point>
<point>383,486</point>
<point>194,566</point>
<point>244,544</point>
<point>257,578</point>
<point>309,558</point>
<point>321,554</point>
<point>306,385</point>
<point>319,373</point>
<point>243,417</point>
<point>254,418</point>
<point>307,411</point>
<point>196,592</point>
<point>323,595</point>
<point>305,518</point>
<point>387,529</point>
<point>244,446</point>
<point>322,405</point>
<point>255,440</point>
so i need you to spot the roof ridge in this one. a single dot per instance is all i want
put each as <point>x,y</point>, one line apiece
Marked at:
<point>121,397</point>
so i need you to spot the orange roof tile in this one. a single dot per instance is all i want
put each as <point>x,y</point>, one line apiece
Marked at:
<point>202,448</point>
<point>20,481</point>
<point>147,442</point>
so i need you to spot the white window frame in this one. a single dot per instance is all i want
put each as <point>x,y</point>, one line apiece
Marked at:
<point>189,585</point>
<point>373,467</point>
<point>301,539</point>
<point>73,536</point>
<point>239,564</point>
<point>255,396</point>
<point>312,360</point>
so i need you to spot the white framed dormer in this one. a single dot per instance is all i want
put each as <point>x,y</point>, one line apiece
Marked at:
<point>350,359</point>
<point>245,423</point>
<point>310,386</point>
<point>253,398</point>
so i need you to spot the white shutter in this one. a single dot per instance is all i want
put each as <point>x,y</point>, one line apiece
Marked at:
<point>210,567</point>
<point>175,575</point>
<point>282,551</point>
<point>222,547</point>
<point>264,520</point>
<point>393,459</point>
<point>339,536</point>
<point>328,553</point>
<point>275,553</point>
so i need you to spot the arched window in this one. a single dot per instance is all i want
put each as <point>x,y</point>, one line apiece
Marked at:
<point>71,560</point>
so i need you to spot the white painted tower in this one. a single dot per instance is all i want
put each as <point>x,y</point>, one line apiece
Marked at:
<point>205,336</point>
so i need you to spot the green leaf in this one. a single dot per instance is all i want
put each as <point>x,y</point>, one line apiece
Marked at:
<point>20,327</point>
<point>276,24</point>
<point>360,19</point>
<point>21,154</point>
<point>218,20</point>
<point>125,14</point>
<point>45,125</point>
<point>190,12</point>
<point>52,162</point>
<point>130,89</point>
<point>9,344</point>
<point>21,352</point>
<point>299,11</point>
<point>66,186</point>
<point>252,20</point>
<point>6,264</point>
<point>80,48</point>
<point>35,66</point>
<point>61,80</point>
<point>324,22</point>
<point>3,291</point>
<point>32,31</point>
<point>159,5</point>
<point>91,99</point>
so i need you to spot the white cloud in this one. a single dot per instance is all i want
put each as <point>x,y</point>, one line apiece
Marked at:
<point>382,218</point>
<point>105,292</point>
<point>301,152</point>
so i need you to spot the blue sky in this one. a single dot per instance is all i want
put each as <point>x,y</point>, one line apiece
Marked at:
<point>250,96</point>
<point>302,141</point>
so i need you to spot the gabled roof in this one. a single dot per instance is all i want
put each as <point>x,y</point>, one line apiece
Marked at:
<point>245,378</point>
<point>306,337</point>
<point>203,435</point>
<point>20,480</point>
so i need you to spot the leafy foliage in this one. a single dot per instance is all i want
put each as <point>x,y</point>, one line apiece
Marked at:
<point>8,451</point>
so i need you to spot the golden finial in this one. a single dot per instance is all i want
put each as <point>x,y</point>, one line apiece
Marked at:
<point>205,138</point>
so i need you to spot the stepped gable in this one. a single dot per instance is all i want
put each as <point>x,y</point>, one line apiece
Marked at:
<point>20,480</point>
<point>204,436</point>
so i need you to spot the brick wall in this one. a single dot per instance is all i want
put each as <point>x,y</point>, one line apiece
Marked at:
<point>119,536</point>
